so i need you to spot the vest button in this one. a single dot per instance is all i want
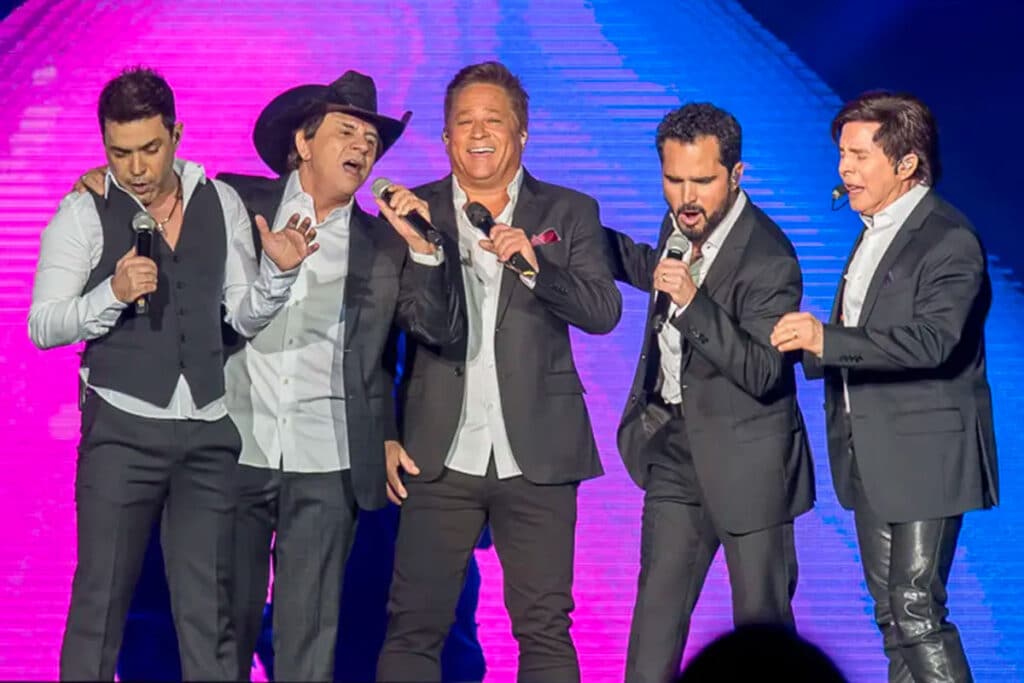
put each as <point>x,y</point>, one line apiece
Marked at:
<point>181,363</point>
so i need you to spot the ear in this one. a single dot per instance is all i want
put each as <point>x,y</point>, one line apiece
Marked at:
<point>176,133</point>
<point>736,175</point>
<point>302,145</point>
<point>522,138</point>
<point>907,166</point>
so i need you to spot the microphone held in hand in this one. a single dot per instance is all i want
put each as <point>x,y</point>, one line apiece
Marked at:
<point>677,246</point>
<point>481,218</point>
<point>144,225</point>
<point>381,189</point>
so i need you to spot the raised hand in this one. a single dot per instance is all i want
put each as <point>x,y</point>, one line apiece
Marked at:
<point>291,246</point>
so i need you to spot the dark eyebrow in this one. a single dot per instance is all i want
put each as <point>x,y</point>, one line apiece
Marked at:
<point>115,148</point>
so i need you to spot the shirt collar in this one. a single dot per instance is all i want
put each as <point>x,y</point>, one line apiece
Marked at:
<point>898,212</point>
<point>717,238</point>
<point>513,190</point>
<point>191,174</point>
<point>293,192</point>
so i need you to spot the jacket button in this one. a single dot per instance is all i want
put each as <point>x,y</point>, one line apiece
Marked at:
<point>459,371</point>
<point>181,285</point>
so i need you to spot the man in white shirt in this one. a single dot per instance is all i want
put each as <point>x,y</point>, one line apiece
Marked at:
<point>312,394</point>
<point>155,430</point>
<point>496,422</point>
<point>712,431</point>
<point>907,401</point>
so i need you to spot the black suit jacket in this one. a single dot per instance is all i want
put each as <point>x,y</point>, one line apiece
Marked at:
<point>741,416</point>
<point>541,394</point>
<point>383,285</point>
<point>920,405</point>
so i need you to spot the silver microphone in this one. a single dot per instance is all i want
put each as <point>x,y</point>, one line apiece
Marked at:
<point>144,225</point>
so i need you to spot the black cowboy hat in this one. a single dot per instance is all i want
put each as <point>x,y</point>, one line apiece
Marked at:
<point>353,94</point>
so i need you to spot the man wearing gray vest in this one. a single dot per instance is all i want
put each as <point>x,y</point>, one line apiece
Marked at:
<point>155,431</point>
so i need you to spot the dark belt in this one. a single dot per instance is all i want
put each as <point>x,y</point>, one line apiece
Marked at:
<point>673,409</point>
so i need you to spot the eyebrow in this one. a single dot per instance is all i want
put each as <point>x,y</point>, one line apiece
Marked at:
<point>696,179</point>
<point>348,125</point>
<point>115,148</point>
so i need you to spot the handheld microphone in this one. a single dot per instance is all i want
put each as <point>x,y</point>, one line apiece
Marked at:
<point>482,219</point>
<point>381,189</point>
<point>677,246</point>
<point>143,224</point>
<point>838,192</point>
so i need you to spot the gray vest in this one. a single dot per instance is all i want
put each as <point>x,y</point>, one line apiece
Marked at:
<point>181,335</point>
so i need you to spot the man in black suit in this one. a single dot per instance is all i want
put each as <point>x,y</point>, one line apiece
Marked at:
<point>907,401</point>
<point>712,430</point>
<point>496,423</point>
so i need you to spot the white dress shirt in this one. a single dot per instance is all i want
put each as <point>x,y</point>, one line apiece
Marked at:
<point>879,232</point>
<point>670,338</point>
<point>71,247</point>
<point>285,388</point>
<point>482,423</point>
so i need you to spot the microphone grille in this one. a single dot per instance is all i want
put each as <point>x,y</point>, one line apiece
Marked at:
<point>142,221</point>
<point>678,242</point>
<point>477,213</point>
<point>379,186</point>
<point>839,191</point>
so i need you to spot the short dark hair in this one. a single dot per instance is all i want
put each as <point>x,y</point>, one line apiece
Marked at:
<point>137,93</point>
<point>310,125</point>
<point>493,73</point>
<point>703,119</point>
<point>906,126</point>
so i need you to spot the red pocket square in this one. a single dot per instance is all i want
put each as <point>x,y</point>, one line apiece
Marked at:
<point>549,236</point>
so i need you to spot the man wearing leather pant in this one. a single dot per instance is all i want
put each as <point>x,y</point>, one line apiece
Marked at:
<point>907,400</point>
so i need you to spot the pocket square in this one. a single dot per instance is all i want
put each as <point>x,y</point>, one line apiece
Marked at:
<point>549,236</point>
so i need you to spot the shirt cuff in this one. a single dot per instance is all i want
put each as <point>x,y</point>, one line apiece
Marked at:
<point>435,259</point>
<point>102,305</point>
<point>278,282</point>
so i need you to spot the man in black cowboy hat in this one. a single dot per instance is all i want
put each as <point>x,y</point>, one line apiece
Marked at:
<point>312,397</point>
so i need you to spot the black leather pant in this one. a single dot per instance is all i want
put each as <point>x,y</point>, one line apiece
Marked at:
<point>906,566</point>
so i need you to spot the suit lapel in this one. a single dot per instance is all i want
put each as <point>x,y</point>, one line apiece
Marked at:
<point>903,237</point>
<point>729,256</point>
<point>529,207</point>
<point>361,253</point>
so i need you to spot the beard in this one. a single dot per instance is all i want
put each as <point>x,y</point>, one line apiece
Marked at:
<point>700,233</point>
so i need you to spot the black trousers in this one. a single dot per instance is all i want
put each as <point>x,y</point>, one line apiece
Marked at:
<point>906,567</point>
<point>533,528</point>
<point>679,539</point>
<point>314,517</point>
<point>129,469</point>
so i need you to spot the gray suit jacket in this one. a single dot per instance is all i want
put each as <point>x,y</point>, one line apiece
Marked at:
<point>541,394</point>
<point>383,286</point>
<point>920,404</point>
<point>741,416</point>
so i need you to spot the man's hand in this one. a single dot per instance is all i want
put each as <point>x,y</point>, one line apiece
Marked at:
<point>134,276</point>
<point>397,459</point>
<point>505,241</point>
<point>289,247</point>
<point>93,179</point>
<point>404,202</point>
<point>799,331</point>
<point>673,277</point>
